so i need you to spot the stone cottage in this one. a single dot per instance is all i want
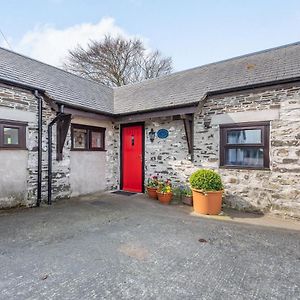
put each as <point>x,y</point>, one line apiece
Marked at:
<point>62,135</point>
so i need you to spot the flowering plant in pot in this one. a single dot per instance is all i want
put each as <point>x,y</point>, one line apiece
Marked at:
<point>164,191</point>
<point>152,184</point>
<point>187,196</point>
<point>207,191</point>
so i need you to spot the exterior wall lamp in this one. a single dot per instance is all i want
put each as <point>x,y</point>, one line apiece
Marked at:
<point>152,135</point>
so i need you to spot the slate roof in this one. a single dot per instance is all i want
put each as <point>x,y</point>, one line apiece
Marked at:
<point>60,85</point>
<point>181,88</point>
<point>191,85</point>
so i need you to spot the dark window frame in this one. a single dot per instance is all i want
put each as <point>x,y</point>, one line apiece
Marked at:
<point>265,143</point>
<point>21,126</point>
<point>88,142</point>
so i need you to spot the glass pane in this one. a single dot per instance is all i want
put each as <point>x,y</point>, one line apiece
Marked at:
<point>251,157</point>
<point>11,136</point>
<point>244,136</point>
<point>96,139</point>
<point>79,138</point>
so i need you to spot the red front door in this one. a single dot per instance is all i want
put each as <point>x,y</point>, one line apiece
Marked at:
<point>132,158</point>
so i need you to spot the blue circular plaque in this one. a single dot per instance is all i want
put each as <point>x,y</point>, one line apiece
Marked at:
<point>162,133</point>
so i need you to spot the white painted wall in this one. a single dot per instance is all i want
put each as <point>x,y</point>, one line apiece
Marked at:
<point>89,169</point>
<point>13,174</point>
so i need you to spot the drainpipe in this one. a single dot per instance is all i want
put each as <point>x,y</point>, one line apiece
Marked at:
<point>40,129</point>
<point>61,112</point>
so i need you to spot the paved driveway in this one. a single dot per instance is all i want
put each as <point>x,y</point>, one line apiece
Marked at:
<point>120,247</point>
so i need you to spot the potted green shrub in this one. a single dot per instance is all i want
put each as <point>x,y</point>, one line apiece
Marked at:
<point>207,191</point>
<point>152,184</point>
<point>164,192</point>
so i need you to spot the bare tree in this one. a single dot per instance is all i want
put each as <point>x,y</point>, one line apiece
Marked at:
<point>117,62</point>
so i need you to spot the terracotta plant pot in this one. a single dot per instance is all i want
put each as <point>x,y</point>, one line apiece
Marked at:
<point>152,192</point>
<point>164,198</point>
<point>209,203</point>
<point>188,200</point>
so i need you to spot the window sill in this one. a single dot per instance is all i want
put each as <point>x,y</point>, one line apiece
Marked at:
<point>245,168</point>
<point>13,148</point>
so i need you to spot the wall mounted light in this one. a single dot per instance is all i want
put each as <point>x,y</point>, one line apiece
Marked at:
<point>152,135</point>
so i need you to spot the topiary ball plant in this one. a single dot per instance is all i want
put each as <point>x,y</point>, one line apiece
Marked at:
<point>206,180</point>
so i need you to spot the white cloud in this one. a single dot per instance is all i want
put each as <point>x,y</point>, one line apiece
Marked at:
<point>49,44</point>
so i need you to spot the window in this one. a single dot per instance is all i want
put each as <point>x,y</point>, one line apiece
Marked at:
<point>245,145</point>
<point>88,138</point>
<point>12,134</point>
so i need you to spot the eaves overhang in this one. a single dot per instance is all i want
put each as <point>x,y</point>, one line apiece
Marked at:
<point>21,85</point>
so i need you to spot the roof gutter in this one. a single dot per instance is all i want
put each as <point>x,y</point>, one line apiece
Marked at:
<point>22,85</point>
<point>253,86</point>
<point>79,107</point>
<point>191,104</point>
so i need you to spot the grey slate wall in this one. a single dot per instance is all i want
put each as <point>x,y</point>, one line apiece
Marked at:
<point>277,189</point>
<point>167,158</point>
<point>113,158</point>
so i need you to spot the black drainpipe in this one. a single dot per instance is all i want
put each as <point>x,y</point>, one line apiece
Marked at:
<point>40,132</point>
<point>61,112</point>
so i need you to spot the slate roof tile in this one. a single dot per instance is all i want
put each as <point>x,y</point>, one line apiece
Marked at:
<point>181,88</point>
<point>60,85</point>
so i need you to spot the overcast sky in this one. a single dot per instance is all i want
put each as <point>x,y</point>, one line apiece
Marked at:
<point>191,32</point>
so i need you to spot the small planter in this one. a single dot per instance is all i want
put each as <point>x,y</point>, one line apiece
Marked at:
<point>209,203</point>
<point>188,200</point>
<point>152,192</point>
<point>164,198</point>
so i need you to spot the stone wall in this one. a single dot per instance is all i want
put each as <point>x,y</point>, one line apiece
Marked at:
<point>60,169</point>
<point>167,158</point>
<point>273,190</point>
<point>277,189</point>
<point>113,158</point>
<point>21,105</point>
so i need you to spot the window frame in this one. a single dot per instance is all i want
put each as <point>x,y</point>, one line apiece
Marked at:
<point>88,143</point>
<point>21,126</point>
<point>265,143</point>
